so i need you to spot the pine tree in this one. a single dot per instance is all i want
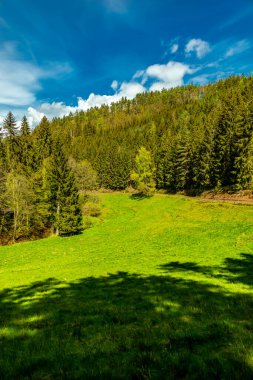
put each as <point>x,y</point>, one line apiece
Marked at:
<point>2,150</point>
<point>242,173</point>
<point>62,194</point>
<point>11,141</point>
<point>26,151</point>
<point>25,129</point>
<point>10,125</point>
<point>182,162</point>
<point>44,140</point>
<point>202,164</point>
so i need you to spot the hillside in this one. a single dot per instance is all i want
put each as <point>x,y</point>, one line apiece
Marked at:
<point>188,139</point>
<point>200,137</point>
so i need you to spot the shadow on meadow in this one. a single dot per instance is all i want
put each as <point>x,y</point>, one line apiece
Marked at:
<point>140,196</point>
<point>124,326</point>
<point>233,270</point>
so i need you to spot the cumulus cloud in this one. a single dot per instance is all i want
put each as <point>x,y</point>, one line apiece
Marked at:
<point>153,78</point>
<point>19,79</point>
<point>198,46</point>
<point>168,76</point>
<point>238,48</point>
<point>34,116</point>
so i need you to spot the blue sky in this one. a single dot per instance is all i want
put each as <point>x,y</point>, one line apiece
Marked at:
<point>59,56</point>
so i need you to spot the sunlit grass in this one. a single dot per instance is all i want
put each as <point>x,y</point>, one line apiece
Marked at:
<point>159,287</point>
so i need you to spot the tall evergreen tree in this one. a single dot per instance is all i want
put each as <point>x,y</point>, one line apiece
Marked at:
<point>44,140</point>
<point>11,140</point>
<point>242,172</point>
<point>25,129</point>
<point>62,194</point>
<point>10,125</point>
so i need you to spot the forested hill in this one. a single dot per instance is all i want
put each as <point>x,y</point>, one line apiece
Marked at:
<point>195,137</point>
<point>200,137</point>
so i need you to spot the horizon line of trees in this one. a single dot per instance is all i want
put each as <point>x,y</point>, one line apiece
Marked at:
<point>192,138</point>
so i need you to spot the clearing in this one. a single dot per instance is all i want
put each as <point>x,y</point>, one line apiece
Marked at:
<point>158,288</point>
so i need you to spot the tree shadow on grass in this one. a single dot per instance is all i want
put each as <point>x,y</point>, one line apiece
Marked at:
<point>125,326</point>
<point>140,196</point>
<point>233,270</point>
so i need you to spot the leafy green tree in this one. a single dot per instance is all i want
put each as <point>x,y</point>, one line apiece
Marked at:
<point>85,175</point>
<point>143,175</point>
<point>19,197</point>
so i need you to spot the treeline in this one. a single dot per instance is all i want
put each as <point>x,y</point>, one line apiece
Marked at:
<point>38,192</point>
<point>198,138</point>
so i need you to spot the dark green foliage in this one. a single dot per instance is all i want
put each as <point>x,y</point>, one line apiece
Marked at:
<point>10,125</point>
<point>25,129</point>
<point>62,194</point>
<point>27,152</point>
<point>199,137</point>
<point>12,146</point>
<point>43,140</point>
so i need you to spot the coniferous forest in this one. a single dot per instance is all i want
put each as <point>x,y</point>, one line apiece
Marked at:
<point>197,137</point>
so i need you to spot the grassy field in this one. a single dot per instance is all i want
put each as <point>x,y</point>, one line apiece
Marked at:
<point>158,288</point>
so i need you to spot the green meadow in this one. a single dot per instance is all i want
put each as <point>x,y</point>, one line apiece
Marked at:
<point>157,288</point>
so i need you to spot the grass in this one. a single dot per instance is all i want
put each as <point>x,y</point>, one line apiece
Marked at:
<point>158,288</point>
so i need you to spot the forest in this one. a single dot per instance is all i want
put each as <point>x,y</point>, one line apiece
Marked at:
<point>192,139</point>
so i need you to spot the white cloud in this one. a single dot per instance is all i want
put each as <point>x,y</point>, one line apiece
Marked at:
<point>200,47</point>
<point>130,89</point>
<point>156,77</point>
<point>168,76</point>
<point>127,89</point>
<point>174,48</point>
<point>19,79</point>
<point>60,109</point>
<point>238,48</point>
<point>34,116</point>
<point>162,76</point>
<point>1,121</point>
<point>114,85</point>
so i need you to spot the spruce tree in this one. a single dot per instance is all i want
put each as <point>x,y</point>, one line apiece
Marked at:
<point>11,141</point>
<point>25,129</point>
<point>10,125</point>
<point>182,161</point>
<point>62,194</point>
<point>202,164</point>
<point>242,173</point>
<point>43,140</point>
